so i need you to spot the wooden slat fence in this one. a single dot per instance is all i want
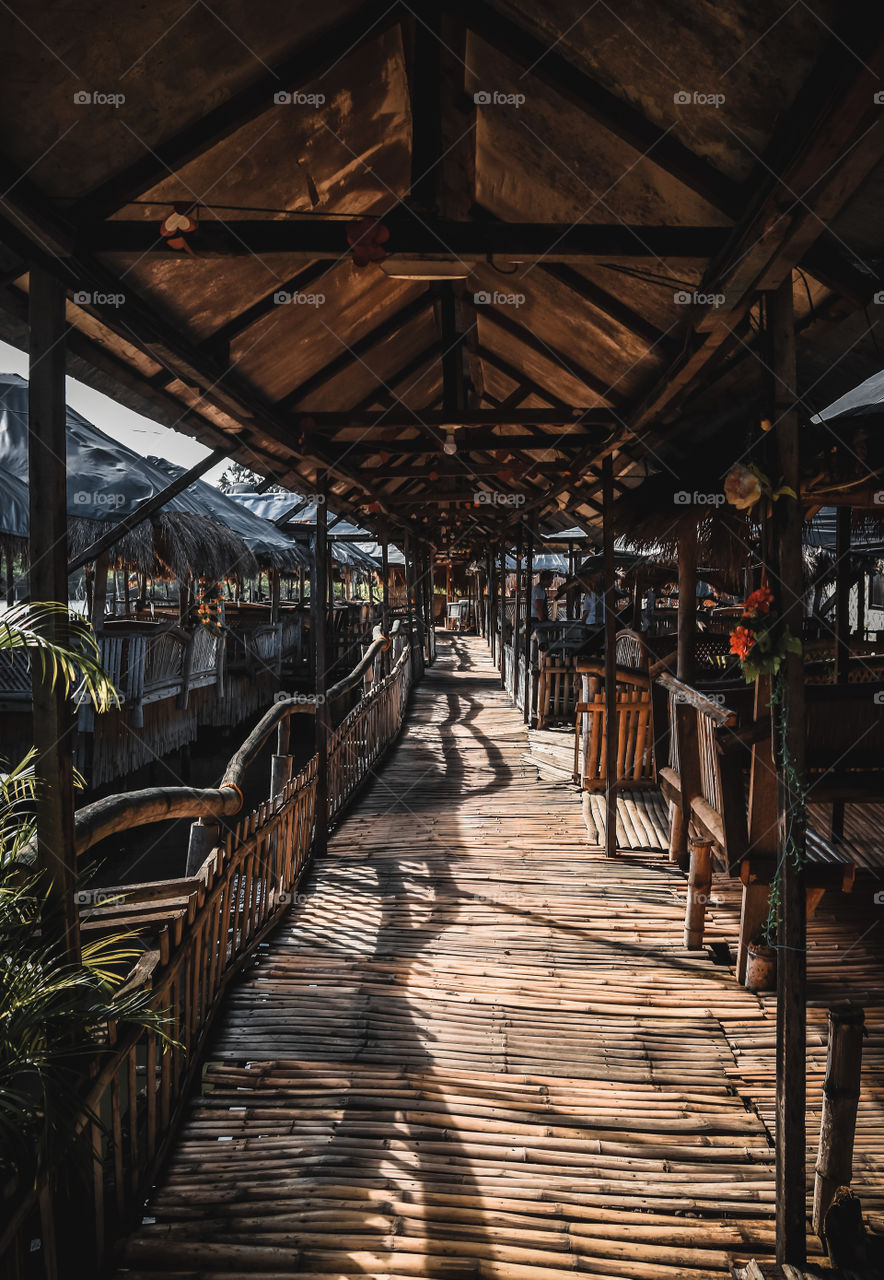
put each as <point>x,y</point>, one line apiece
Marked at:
<point>138,1092</point>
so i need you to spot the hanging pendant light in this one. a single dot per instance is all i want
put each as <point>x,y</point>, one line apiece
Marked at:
<point>450,445</point>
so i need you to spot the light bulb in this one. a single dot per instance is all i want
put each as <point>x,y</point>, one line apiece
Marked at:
<point>450,445</point>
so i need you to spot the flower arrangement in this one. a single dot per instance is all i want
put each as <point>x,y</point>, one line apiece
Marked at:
<point>208,606</point>
<point>745,486</point>
<point>762,640</point>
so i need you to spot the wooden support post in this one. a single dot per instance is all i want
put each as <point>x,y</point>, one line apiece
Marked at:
<point>610,661</point>
<point>699,885</point>
<point>53,718</point>
<point>318,618</point>
<point>843,587</point>
<point>490,602</point>
<point>10,577</point>
<point>529,627</point>
<point>274,596</point>
<point>792,934</point>
<point>205,835</point>
<point>834,1165</point>
<point>501,657</point>
<point>517,609</point>
<point>99,592</point>
<point>687,601</point>
<point>385,599</point>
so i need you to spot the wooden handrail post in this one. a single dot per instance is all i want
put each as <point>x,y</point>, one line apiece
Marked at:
<point>699,885</point>
<point>385,597</point>
<point>501,657</point>
<point>205,835</point>
<point>517,610</point>
<point>834,1165</point>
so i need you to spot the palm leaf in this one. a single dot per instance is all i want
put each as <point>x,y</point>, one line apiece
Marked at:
<point>66,648</point>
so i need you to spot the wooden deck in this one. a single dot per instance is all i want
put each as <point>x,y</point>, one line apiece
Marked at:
<point>477,1047</point>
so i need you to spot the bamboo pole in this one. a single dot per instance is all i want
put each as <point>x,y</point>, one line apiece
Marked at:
<point>792,933</point>
<point>610,662</point>
<point>834,1165</point>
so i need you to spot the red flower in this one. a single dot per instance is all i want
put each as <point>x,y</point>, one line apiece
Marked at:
<point>367,239</point>
<point>759,602</point>
<point>742,641</point>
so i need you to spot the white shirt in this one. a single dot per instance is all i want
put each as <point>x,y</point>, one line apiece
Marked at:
<point>593,607</point>
<point>538,594</point>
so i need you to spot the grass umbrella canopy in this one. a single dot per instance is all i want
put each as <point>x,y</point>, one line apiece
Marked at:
<point>271,547</point>
<point>105,482</point>
<point>291,509</point>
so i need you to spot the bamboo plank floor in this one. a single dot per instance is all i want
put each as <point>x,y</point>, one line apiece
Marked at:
<point>477,1047</point>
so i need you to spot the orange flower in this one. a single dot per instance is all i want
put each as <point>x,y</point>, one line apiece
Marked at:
<point>758,602</point>
<point>742,641</point>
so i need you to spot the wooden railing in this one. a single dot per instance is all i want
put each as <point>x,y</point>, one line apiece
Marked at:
<point>137,1091</point>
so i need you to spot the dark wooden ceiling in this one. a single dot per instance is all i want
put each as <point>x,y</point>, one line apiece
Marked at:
<point>630,156</point>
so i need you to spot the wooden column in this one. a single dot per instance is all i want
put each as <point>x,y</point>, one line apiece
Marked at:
<point>318,619</point>
<point>843,584</point>
<point>385,600</point>
<point>687,601</point>
<point>47,546</point>
<point>792,933</point>
<point>834,1166</point>
<point>274,595</point>
<point>517,609</point>
<point>502,655</point>
<point>491,603</point>
<point>610,661</point>
<point>529,626</point>
<point>99,592</point>
<point>10,578</point>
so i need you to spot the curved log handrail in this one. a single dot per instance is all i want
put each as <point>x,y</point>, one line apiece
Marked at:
<point>102,818</point>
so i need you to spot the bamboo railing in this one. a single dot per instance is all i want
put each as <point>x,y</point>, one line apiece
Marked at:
<point>136,1092</point>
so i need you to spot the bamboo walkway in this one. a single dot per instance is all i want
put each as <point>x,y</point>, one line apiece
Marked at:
<point>476,1048</point>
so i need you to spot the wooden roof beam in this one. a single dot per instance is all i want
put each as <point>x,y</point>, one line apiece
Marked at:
<point>507,324</point>
<point>307,239</point>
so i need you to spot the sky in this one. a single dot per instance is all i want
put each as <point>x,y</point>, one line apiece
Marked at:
<point>137,432</point>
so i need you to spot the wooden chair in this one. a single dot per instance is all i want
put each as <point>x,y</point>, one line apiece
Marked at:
<point>635,757</point>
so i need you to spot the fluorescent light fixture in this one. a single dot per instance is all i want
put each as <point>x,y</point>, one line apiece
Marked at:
<point>424,269</point>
